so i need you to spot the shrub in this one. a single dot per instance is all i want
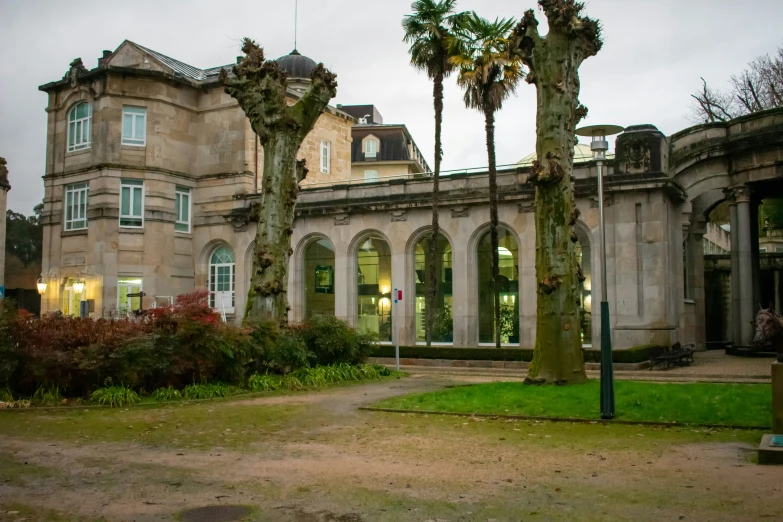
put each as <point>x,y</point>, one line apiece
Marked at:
<point>207,391</point>
<point>166,394</point>
<point>112,396</point>
<point>258,382</point>
<point>44,396</point>
<point>334,341</point>
<point>288,353</point>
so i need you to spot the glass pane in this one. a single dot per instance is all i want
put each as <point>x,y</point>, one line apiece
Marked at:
<point>177,206</point>
<point>81,110</point>
<point>86,131</point>
<point>508,289</point>
<point>71,133</point>
<point>185,208</point>
<point>125,201</point>
<point>68,205</point>
<point>139,129</point>
<point>373,288</point>
<point>223,255</point>
<point>82,204</point>
<point>137,201</point>
<point>127,126</point>
<point>442,323</point>
<point>181,227</point>
<point>319,278</point>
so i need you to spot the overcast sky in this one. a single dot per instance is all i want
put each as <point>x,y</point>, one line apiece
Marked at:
<point>654,53</point>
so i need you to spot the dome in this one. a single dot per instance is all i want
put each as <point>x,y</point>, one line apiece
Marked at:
<point>582,154</point>
<point>295,65</point>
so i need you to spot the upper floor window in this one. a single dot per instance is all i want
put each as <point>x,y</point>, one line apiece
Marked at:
<point>76,206</point>
<point>371,149</point>
<point>326,157</point>
<point>370,175</point>
<point>182,209</point>
<point>79,119</point>
<point>132,203</point>
<point>134,125</point>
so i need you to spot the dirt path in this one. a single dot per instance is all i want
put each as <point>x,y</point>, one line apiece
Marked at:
<point>329,460</point>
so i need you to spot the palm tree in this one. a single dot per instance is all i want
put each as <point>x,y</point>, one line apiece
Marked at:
<point>489,72</point>
<point>429,32</point>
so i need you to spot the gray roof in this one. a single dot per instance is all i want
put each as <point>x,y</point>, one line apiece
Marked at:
<point>182,68</point>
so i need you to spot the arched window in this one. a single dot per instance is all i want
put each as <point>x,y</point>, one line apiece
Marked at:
<point>319,278</point>
<point>443,322</point>
<point>373,287</point>
<point>508,288</point>
<point>584,291</point>
<point>79,126</point>
<point>221,280</point>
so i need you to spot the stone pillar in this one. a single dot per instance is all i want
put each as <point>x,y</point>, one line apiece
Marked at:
<point>4,188</point>
<point>742,236</point>
<point>777,398</point>
<point>698,229</point>
<point>755,265</point>
<point>735,308</point>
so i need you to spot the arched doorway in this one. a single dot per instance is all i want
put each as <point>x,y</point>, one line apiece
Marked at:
<point>508,288</point>
<point>373,287</point>
<point>222,277</point>
<point>318,263</point>
<point>443,322</point>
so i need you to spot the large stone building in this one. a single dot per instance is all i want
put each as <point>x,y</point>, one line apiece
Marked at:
<point>153,173</point>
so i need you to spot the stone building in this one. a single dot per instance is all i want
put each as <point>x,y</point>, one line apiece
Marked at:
<point>152,176</point>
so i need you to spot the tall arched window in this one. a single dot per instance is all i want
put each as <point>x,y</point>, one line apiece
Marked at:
<point>319,278</point>
<point>508,288</point>
<point>373,287</point>
<point>585,290</point>
<point>221,279</point>
<point>79,126</point>
<point>443,322</point>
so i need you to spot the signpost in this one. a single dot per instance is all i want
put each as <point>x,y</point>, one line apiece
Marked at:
<point>396,319</point>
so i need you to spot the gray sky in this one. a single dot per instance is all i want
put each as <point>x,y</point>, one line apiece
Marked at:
<point>654,53</point>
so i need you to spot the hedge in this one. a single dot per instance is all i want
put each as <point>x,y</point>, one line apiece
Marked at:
<point>636,354</point>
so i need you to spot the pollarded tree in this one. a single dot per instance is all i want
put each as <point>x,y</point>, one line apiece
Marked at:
<point>489,72</point>
<point>260,88</point>
<point>429,30</point>
<point>554,62</point>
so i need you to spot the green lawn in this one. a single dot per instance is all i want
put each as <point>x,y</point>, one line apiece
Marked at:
<point>692,403</point>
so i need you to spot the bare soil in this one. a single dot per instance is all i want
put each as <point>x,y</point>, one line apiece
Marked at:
<point>327,460</point>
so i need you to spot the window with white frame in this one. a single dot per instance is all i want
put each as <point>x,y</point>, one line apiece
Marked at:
<point>75,204</point>
<point>128,298</point>
<point>370,175</point>
<point>371,149</point>
<point>79,118</point>
<point>182,209</point>
<point>132,203</point>
<point>221,280</point>
<point>326,157</point>
<point>134,125</point>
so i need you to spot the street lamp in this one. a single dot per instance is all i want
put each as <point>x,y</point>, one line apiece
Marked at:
<point>599,146</point>
<point>41,284</point>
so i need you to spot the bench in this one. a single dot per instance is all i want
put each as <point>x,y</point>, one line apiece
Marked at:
<point>677,354</point>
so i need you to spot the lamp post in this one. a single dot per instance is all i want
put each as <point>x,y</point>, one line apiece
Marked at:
<point>599,146</point>
<point>41,284</point>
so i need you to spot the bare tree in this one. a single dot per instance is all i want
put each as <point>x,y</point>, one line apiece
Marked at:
<point>759,87</point>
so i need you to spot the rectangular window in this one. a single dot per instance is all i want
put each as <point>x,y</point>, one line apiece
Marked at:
<point>371,149</point>
<point>75,204</point>
<point>132,203</point>
<point>182,209</point>
<point>134,126</point>
<point>326,160</point>
<point>128,299</point>
<point>370,176</point>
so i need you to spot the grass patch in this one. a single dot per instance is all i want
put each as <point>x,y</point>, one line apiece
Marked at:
<point>691,403</point>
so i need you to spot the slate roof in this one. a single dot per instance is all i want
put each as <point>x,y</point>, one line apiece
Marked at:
<point>180,67</point>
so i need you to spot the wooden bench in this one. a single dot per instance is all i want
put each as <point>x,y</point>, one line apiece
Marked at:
<point>677,354</point>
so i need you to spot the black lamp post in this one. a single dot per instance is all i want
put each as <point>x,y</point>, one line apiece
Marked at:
<point>599,146</point>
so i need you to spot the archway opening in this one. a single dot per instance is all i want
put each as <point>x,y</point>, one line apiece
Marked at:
<point>222,277</point>
<point>508,288</point>
<point>319,278</point>
<point>443,322</point>
<point>584,292</point>
<point>373,287</point>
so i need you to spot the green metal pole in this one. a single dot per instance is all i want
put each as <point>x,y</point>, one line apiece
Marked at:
<point>607,373</point>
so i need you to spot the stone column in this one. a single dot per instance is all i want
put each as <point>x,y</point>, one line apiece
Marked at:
<point>742,237</point>
<point>698,229</point>
<point>735,308</point>
<point>754,251</point>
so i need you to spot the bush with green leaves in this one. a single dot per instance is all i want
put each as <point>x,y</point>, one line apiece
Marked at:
<point>288,352</point>
<point>264,382</point>
<point>333,341</point>
<point>166,394</point>
<point>114,396</point>
<point>208,390</point>
<point>46,396</point>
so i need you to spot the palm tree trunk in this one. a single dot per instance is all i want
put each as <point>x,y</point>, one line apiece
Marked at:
<point>432,276</point>
<point>489,125</point>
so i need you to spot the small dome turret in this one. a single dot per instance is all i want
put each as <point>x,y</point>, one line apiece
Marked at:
<point>296,66</point>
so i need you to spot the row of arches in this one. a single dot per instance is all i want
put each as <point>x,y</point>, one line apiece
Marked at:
<point>316,287</point>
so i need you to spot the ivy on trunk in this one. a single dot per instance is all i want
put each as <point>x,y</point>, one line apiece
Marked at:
<point>554,62</point>
<point>260,88</point>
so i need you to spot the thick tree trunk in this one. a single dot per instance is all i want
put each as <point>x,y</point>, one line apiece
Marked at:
<point>558,354</point>
<point>432,276</point>
<point>489,126</point>
<point>267,297</point>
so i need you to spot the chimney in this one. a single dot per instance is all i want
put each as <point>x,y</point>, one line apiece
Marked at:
<point>105,58</point>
